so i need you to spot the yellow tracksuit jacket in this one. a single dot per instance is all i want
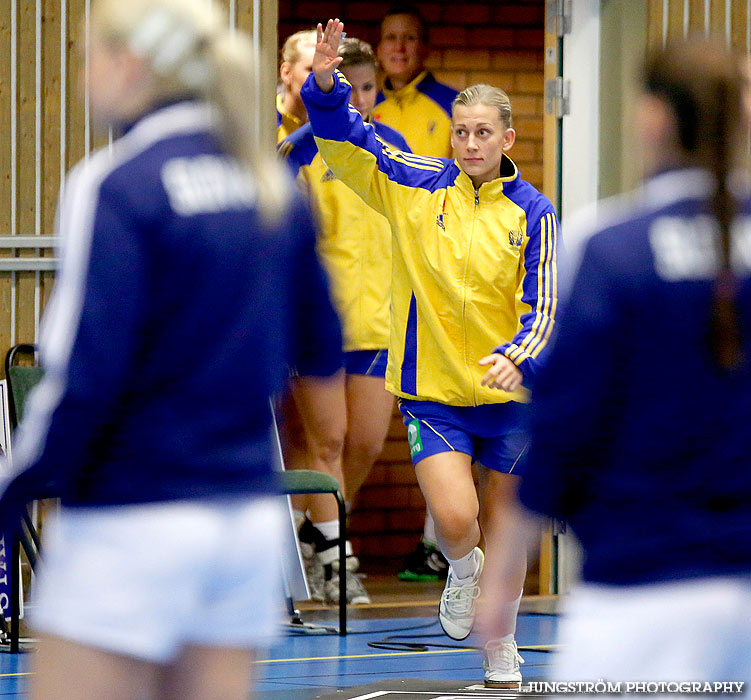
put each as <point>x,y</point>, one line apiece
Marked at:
<point>354,241</point>
<point>286,123</point>
<point>473,271</point>
<point>421,112</point>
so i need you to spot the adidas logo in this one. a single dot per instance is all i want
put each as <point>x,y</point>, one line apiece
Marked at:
<point>328,176</point>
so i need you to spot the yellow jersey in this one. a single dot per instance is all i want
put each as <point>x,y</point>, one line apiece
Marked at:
<point>421,112</point>
<point>474,270</point>
<point>354,241</point>
<point>286,123</point>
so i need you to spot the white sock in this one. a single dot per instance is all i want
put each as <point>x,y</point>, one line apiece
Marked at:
<point>511,612</point>
<point>428,532</point>
<point>299,517</point>
<point>329,529</point>
<point>465,568</point>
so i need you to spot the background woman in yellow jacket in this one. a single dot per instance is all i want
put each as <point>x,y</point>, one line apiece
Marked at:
<point>311,426</point>
<point>474,263</point>
<point>297,57</point>
<point>354,244</point>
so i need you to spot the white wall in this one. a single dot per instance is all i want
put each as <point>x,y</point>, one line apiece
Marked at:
<point>581,66</point>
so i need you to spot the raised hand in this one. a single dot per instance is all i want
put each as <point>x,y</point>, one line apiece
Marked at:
<point>326,58</point>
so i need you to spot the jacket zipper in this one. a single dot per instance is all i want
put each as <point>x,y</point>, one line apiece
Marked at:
<point>464,295</point>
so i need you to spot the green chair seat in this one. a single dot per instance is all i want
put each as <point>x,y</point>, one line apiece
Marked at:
<point>300,481</point>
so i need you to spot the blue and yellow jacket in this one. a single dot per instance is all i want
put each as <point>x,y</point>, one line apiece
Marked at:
<point>286,123</point>
<point>354,241</point>
<point>470,267</point>
<point>421,112</point>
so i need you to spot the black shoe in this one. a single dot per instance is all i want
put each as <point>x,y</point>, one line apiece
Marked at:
<point>426,563</point>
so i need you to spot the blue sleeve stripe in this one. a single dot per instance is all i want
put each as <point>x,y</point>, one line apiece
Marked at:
<point>547,292</point>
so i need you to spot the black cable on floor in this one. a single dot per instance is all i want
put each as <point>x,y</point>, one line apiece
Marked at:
<point>390,644</point>
<point>335,632</point>
<point>321,630</point>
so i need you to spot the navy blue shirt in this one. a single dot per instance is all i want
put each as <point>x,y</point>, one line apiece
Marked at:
<point>639,441</point>
<point>174,316</point>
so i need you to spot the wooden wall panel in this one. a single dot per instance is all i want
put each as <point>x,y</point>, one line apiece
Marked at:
<point>550,148</point>
<point>723,18</point>
<point>717,18</point>
<point>676,13</point>
<point>51,135</point>
<point>695,12</point>
<point>27,163</point>
<point>728,19</point>
<point>655,22</point>
<point>42,61</point>
<point>7,161</point>
<point>740,26</point>
<point>75,107</point>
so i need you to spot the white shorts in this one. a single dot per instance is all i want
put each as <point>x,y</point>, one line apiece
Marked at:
<point>695,630</point>
<point>147,580</point>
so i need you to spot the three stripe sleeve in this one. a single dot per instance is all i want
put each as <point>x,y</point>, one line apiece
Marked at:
<point>540,293</point>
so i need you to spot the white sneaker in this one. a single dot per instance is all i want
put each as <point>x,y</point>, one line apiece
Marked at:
<point>457,610</point>
<point>352,562</point>
<point>502,664</point>
<point>313,572</point>
<point>356,593</point>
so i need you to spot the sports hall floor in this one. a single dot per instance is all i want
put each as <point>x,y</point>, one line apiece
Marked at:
<point>307,666</point>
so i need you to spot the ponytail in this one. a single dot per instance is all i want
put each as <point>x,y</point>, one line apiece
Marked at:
<point>725,338</point>
<point>231,58</point>
<point>191,52</point>
<point>701,81</point>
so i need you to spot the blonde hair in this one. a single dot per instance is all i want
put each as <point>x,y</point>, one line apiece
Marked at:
<point>356,52</point>
<point>190,51</point>
<point>291,49</point>
<point>486,95</point>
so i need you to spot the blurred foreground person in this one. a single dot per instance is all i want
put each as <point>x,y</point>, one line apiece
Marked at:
<point>189,277</point>
<point>652,372</point>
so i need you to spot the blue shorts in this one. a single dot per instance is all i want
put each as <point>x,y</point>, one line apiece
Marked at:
<point>371,363</point>
<point>494,435</point>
